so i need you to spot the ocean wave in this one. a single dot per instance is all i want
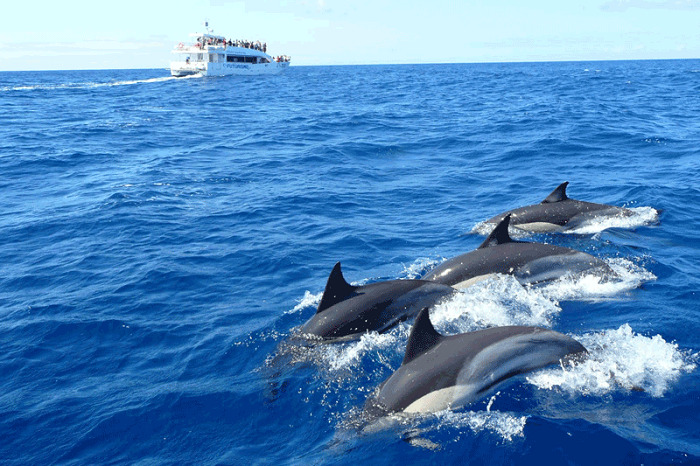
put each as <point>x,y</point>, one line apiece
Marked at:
<point>159,235</point>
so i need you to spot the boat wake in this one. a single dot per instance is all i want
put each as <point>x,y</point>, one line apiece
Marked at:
<point>92,85</point>
<point>140,81</point>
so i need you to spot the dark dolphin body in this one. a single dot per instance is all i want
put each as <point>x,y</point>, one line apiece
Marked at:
<point>527,262</point>
<point>347,311</point>
<point>440,372</point>
<point>557,213</point>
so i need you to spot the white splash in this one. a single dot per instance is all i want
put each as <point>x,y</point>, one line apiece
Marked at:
<point>347,356</point>
<point>501,300</point>
<point>485,229</point>
<point>593,286</point>
<point>308,300</point>
<point>620,358</point>
<point>641,216</point>
<point>419,266</point>
<point>504,424</point>
<point>419,427</point>
<point>497,301</point>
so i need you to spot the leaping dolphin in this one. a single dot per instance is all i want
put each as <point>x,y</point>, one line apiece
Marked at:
<point>447,372</point>
<point>528,262</point>
<point>557,213</point>
<point>347,311</point>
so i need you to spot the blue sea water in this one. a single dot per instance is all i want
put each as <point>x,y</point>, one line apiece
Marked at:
<point>161,238</point>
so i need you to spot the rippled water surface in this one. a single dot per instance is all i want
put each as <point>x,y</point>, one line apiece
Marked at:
<point>161,238</point>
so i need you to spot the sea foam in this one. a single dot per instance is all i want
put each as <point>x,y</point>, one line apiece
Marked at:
<point>620,359</point>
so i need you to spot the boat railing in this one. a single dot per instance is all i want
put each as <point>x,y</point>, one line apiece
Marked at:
<point>197,48</point>
<point>223,45</point>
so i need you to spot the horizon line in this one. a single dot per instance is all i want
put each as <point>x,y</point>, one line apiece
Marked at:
<point>386,64</point>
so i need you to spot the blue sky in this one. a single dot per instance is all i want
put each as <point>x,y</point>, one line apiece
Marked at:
<point>74,34</point>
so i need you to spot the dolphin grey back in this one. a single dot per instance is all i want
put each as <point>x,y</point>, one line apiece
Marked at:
<point>346,311</point>
<point>441,372</point>
<point>528,262</point>
<point>559,210</point>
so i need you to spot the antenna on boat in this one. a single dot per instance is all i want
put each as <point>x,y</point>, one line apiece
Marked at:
<point>206,26</point>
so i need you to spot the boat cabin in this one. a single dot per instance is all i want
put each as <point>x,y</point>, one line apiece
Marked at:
<point>210,54</point>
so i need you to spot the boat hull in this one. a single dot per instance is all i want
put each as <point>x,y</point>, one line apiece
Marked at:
<point>180,69</point>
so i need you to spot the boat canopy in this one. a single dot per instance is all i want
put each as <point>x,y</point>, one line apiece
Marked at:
<point>206,36</point>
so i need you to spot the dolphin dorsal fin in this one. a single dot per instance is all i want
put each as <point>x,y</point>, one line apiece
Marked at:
<point>499,235</point>
<point>337,289</point>
<point>558,195</point>
<point>423,337</point>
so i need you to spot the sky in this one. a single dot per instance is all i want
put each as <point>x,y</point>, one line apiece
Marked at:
<point>76,34</point>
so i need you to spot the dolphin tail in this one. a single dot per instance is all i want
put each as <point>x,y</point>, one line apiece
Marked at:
<point>337,289</point>
<point>499,235</point>
<point>558,195</point>
<point>423,337</point>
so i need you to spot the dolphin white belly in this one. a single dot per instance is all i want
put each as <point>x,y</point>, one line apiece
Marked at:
<point>485,372</point>
<point>441,372</point>
<point>539,227</point>
<point>467,283</point>
<point>433,402</point>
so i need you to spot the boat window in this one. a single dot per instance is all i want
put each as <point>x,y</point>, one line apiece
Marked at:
<point>241,59</point>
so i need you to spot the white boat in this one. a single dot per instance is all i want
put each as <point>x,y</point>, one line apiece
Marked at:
<point>212,55</point>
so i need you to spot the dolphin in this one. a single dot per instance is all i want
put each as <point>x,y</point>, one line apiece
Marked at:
<point>447,372</point>
<point>558,213</point>
<point>346,311</point>
<point>529,263</point>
